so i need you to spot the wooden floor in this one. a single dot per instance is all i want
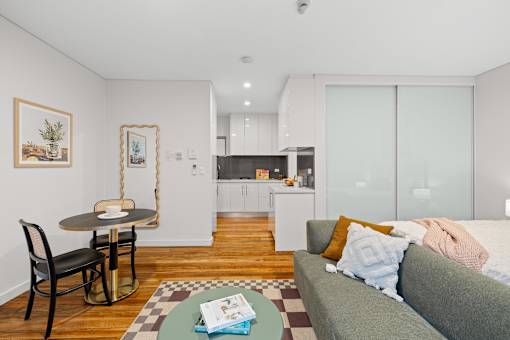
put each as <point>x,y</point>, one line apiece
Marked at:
<point>243,248</point>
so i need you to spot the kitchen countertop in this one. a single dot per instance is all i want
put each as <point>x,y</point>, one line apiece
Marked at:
<point>248,180</point>
<point>283,189</point>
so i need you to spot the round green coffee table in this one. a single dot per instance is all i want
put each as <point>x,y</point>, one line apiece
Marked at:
<point>179,323</point>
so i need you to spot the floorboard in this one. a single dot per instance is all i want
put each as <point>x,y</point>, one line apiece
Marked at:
<point>243,248</point>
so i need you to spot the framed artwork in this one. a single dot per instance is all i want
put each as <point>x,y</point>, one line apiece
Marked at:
<point>42,136</point>
<point>137,153</point>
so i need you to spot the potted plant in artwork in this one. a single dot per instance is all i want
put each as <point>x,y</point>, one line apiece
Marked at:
<point>135,149</point>
<point>52,134</point>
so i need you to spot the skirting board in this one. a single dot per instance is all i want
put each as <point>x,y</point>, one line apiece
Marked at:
<point>242,214</point>
<point>175,243</point>
<point>14,292</point>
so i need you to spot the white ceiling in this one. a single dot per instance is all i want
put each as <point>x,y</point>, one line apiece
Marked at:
<point>204,39</point>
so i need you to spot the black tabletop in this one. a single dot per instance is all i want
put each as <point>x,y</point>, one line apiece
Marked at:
<point>90,222</point>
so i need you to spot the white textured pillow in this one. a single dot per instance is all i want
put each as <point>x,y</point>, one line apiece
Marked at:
<point>373,257</point>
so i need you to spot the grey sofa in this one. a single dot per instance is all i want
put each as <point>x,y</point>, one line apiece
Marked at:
<point>442,299</point>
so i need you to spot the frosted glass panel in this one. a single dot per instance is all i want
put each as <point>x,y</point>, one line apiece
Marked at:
<point>435,171</point>
<point>360,152</point>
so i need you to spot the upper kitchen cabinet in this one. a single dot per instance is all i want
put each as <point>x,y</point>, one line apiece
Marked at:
<point>253,134</point>
<point>264,134</point>
<point>237,134</point>
<point>296,114</point>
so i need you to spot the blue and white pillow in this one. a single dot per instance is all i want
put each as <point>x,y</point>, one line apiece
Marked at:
<point>373,257</point>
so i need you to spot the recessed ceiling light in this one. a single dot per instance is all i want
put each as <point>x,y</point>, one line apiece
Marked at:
<point>247,59</point>
<point>246,84</point>
<point>247,103</point>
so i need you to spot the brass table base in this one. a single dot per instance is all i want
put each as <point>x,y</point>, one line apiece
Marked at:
<point>127,286</point>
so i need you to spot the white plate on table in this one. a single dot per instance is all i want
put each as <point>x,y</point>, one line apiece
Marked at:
<point>108,216</point>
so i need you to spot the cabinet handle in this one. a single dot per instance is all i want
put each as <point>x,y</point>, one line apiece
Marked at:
<point>246,189</point>
<point>242,190</point>
<point>270,199</point>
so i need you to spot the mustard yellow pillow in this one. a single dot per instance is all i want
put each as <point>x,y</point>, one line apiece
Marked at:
<point>339,238</point>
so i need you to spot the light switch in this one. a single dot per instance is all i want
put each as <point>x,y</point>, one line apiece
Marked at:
<point>192,154</point>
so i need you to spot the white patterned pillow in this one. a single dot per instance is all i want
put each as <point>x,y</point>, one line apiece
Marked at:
<point>373,257</point>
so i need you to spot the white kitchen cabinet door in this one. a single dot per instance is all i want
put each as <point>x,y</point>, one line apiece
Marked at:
<point>237,134</point>
<point>236,197</point>
<point>251,134</point>
<point>264,197</point>
<point>283,118</point>
<point>223,202</point>
<point>296,114</point>
<point>264,137</point>
<point>222,126</point>
<point>251,197</point>
<point>274,136</point>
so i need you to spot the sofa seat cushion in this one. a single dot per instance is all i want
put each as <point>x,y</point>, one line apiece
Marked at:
<point>353,310</point>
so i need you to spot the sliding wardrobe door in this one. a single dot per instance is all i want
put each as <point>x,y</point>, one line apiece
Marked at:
<point>360,152</point>
<point>435,152</point>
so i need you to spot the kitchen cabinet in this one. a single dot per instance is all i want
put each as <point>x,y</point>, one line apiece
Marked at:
<point>244,196</point>
<point>236,197</point>
<point>251,197</point>
<point>253,134</point>
<point>237,134</point>
<point>293,207</point>
<point>296,114</point>
<point>222,197</point>
<point>222,126</point>
<point>274,136</point>
<point>264,197</point>
<point>265,135</point>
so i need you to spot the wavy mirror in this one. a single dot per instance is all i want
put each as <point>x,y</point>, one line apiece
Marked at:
<point>139,166</point>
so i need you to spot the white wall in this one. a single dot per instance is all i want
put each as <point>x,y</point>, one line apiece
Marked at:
<point>492,142</point>
<point>182,109</point>
<point>31,70</point>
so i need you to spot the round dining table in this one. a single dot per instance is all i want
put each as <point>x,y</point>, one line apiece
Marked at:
<point>120,288</point>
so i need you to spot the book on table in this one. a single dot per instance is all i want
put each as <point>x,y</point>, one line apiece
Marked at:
<point>226,312</point>
<point>242,328</point>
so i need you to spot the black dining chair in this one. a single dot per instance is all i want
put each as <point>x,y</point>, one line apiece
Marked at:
<point>49,268</point>
<point>126,238</point>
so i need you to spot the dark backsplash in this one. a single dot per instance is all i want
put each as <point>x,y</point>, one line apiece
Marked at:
<point>235,167</point>
<point>305,166</point>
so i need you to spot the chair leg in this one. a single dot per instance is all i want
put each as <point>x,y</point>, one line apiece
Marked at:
<point>31,295</point>
<point>53,302</point>
<point>133,249</point>
<point>105,284</point>
<point>85,279</point>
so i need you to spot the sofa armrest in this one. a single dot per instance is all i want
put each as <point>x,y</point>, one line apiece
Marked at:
<point>318,235</point>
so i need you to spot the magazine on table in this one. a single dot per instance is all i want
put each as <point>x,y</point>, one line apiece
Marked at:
<point>226,312</point>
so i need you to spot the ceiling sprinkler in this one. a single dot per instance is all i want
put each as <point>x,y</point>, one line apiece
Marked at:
<point>302,6</point>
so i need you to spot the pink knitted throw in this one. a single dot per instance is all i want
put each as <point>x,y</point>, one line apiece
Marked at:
<point>451,240</point>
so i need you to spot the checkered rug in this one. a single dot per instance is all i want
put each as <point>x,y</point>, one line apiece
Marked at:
<point>283,293</point>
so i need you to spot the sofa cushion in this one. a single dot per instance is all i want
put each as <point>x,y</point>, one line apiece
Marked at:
<point>373,257</point>
<point>339,237</point>
<point>343,308</point>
